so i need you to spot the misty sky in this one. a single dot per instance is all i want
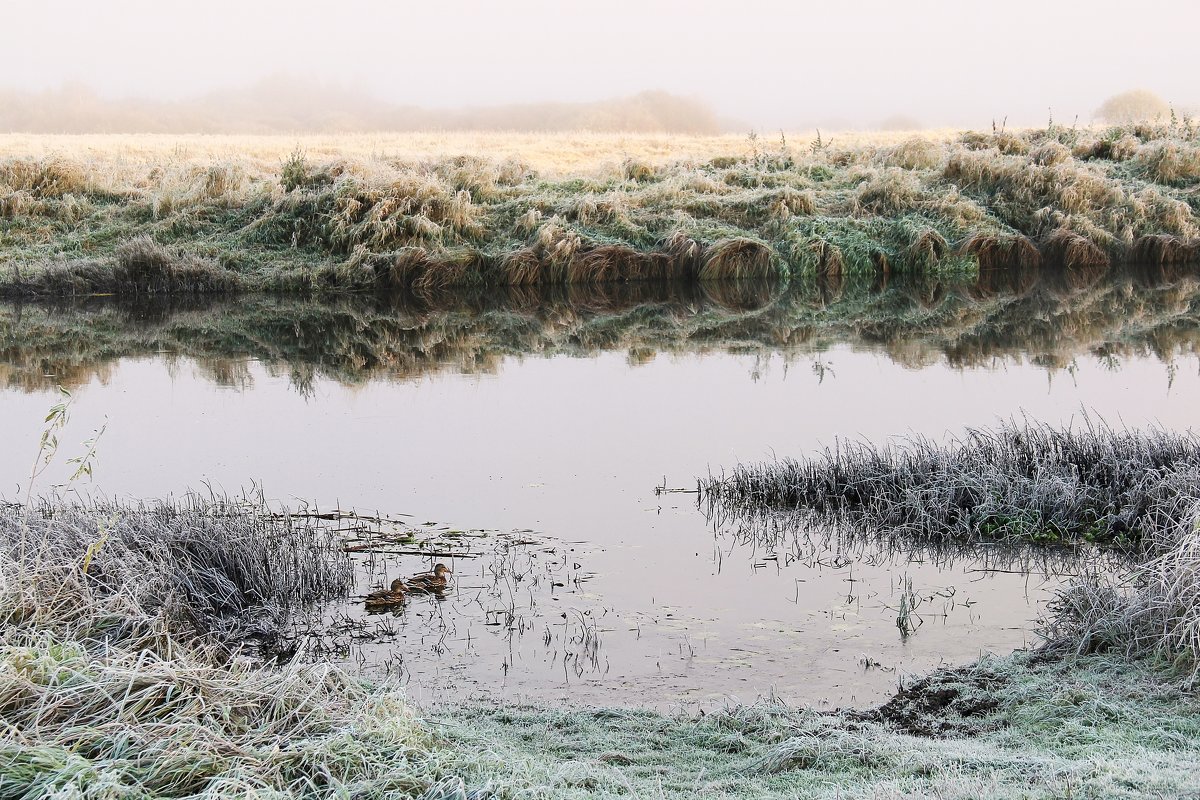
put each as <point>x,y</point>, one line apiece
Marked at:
<point>763,62</point>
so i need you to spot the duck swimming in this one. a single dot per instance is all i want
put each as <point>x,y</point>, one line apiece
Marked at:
<point>387,597</point>
<point>429,582</point>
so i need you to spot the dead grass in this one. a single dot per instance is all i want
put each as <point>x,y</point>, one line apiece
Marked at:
<point>1161,249</point>
<point>889,193</point>
<point>998,252</point>
<point>1170,163</point>
<point>1069,249</point>
<point>737,259</point>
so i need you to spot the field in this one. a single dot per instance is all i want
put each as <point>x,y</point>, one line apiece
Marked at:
<point>149,214</point>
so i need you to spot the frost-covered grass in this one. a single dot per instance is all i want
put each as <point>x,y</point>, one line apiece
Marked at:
<point>127,721</point>
<point>119,668</point>
<point>115,683</point>
<point>354,220</point>
<point>215,571</point>
<point>1033,728</point>
<point>1019,483</point>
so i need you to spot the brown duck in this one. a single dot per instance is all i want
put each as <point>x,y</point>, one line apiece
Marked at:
<point>429,582</point>
<point>392,596</point>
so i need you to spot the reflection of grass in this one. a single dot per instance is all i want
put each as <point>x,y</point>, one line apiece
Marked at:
<point>1009,200</point>
<point>1050,319</point>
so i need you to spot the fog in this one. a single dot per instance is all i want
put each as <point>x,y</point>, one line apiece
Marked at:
<point>760,64</point>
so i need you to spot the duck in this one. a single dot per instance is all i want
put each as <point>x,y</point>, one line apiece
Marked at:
<point>429,582</point>
<point>392,596</point>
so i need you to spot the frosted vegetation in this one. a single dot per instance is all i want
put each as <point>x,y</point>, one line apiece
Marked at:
<point>121,676</point>
<point>82,220</point>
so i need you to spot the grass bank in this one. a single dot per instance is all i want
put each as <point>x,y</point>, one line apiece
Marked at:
<point>80,222</point>
<point>1049,317</point>
<point>119,678</point>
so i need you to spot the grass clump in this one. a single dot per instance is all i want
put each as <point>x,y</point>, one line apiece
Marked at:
<point>1150,610</point>
<point>145,267</point>
<point>1171,163</point>
<point>213,570</point>
<point>139,266</point>
<point>1017,484</point>
<point>120,673</point>
<point>737,259</point>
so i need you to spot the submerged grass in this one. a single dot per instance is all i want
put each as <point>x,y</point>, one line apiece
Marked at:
<point>357,221</point>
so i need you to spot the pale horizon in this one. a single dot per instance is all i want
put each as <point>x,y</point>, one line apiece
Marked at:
<point>756,64</point>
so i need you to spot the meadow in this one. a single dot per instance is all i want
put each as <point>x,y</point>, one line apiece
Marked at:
<point>423,212</point>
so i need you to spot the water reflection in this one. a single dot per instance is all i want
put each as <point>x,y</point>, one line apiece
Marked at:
<point>1047,317</point>
<point>551,416</point>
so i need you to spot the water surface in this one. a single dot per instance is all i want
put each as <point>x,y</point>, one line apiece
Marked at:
<point>547,423</point>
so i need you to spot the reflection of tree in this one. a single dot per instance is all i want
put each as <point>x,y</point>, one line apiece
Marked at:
<point>1049,319</point>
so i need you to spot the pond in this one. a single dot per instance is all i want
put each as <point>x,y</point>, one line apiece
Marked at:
<point>540,430</point>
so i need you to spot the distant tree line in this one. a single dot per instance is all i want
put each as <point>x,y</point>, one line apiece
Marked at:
<point>285,105</point>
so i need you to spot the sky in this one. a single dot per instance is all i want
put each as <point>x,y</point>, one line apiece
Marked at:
<point>765,63</point>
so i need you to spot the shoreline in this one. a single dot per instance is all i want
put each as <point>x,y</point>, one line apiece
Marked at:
<point>95,621</point>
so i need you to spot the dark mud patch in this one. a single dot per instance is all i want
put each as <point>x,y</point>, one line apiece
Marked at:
<point>950,703</point>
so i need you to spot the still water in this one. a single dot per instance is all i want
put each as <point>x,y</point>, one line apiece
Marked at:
<point>537,433</point>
